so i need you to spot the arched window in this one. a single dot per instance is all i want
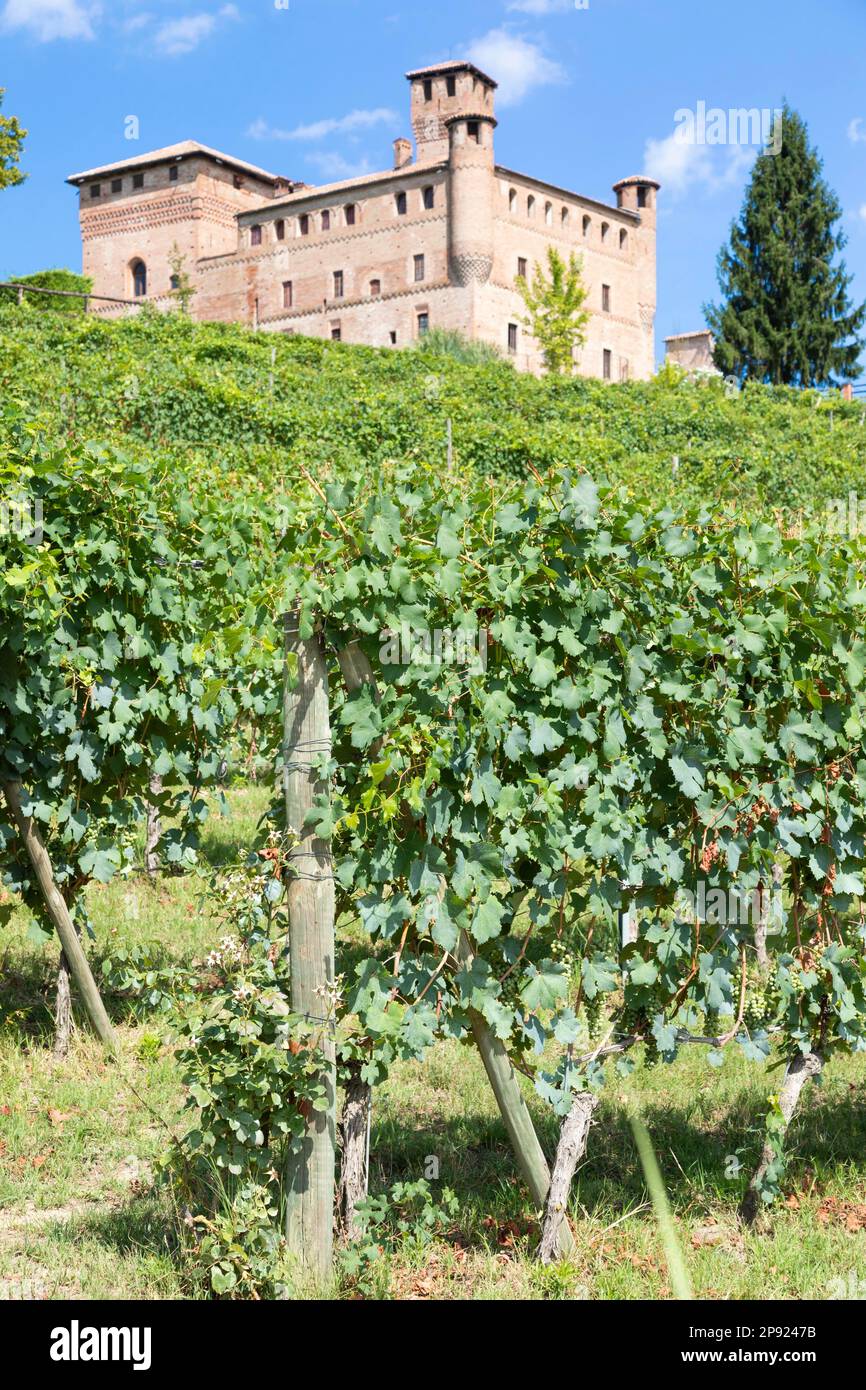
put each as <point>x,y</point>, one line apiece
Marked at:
<point>139,279</point>
<point>564,217</point>
<point>548,214</point>
<point>530,206</point>
<point>512,200</point>
<point>587,223</point>
<point>623,239</point>
<point>351,214</point>
<point>605,228</point>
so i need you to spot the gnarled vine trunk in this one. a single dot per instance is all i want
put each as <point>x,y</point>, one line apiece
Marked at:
<point>353,1140</point>
<point>62,1009</point>
<point>570,1150</point>
<point>799,1070</point>
<point>154,828</point>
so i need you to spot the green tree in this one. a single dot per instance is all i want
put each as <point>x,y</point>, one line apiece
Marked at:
<point>786,316</point>
<point>66,280</point>
<point>555,315</point>
<point>11,143</point>
<point>182,288</point>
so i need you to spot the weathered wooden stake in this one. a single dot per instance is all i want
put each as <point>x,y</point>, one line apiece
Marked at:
<point>60,916</point>
<point>310,899</point>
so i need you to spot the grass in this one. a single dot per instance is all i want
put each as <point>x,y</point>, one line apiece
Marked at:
<point>82,1213</point>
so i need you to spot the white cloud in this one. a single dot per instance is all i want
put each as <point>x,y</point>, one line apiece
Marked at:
<point>517,64</point>
<point>355,120</point>
<point>51,19</point>
<point>333,167</point>
<point>862,212</point>
<point>682,165</point>
<point>178,36</point>
<point>855,134</point>
<point>543,6</point>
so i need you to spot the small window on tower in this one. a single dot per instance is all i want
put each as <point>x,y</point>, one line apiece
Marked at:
<point>326,221</point>
<point>428,90</point>
<point>401,204</point>
<point>338,284</point>
<point>255,236</point>
<point>606,360</point>
<point>172,174</point>
<point>623,239</point>
<point>419,268</point>
<point>304,224</point>
<point>605,299</point>
<point>393,337</point>
<point>138,180</point>
<point>512,337</point>
<point>288,294</point>
<point>375,288</point>
<point>423,324</point>
<point>451,86</point>
<point>564,217</point>
<point>350,214</point>
<point>473,130</point>
<point>429,197</point>
<point>96,190</point>
<point>587,223</point>
<point>280,229</point>
<point>139,279</point>
<point>117,185</point>
<point>605,230</point>
<point>521,267</point>
<point>336,333</point>
<point>643,197</point>
<point>174,282</point>
<point>530,206</point>
<point>548,214</point>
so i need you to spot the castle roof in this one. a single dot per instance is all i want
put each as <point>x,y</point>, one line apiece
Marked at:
<point>453,65</point>
<point>636,178</point>
<point>185,148</point>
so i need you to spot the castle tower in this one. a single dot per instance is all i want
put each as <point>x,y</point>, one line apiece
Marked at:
<point>639,194</point>
<point>440,92</point>
<point>471,187</point>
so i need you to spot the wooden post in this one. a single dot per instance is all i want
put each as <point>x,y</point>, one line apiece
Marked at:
<point>514,1110</point>
<point>310,899</point>
<point>60,916</point>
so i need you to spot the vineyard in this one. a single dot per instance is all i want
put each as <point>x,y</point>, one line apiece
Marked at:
<point>460,766</point>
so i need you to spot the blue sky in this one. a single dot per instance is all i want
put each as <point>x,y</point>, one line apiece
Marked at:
<point>314,89</point>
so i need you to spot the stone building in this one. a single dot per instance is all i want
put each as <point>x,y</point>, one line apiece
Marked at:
<point>692,351</point>
<point>436,241</point>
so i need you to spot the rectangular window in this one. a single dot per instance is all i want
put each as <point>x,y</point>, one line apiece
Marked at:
<point>288,294</point>
<point>605,299</point>
<point>423,324</point>
<point>304,224</point>
<point>606,360</point>
<point>350,214</point>
<point>280,229</point>
<point>338,284</point>
<point>326,221</point>
<point>393,337</point>
<point>451,86</point>
<point>428,90</point>
<point>95,190</point>
<point>473,130</point>
<point>172,174</point>
<point>138,180</point>
<point>117,185</point>
<point>641,197</point>
<point>429,198</point>
<point>336,333</point>
<point>419,268</point>
<point>375,287</point>
<point>512,337</point>
<point>401,204</point>
<point>521,266</point>
<point>255,236</point>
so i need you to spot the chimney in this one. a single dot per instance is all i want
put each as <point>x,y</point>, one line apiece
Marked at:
<point>402,152</point>
<point>848,391</point>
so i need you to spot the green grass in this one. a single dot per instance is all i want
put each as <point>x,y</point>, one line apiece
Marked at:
<point>82,1213</point>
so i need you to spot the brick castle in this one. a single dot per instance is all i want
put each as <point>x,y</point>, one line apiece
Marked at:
<point>436,241</point>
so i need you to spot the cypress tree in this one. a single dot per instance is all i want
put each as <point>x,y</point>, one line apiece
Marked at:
<point>786,318</point>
